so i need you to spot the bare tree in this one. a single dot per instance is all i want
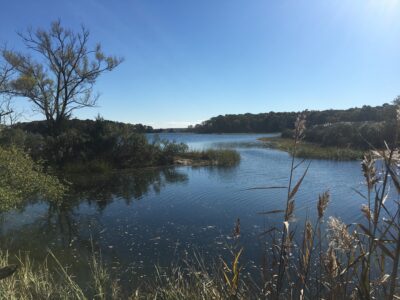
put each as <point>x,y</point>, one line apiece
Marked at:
<point>58,73</point>
<point>6,110</point>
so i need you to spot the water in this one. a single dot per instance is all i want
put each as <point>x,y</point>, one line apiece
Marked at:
<point>141,218</point>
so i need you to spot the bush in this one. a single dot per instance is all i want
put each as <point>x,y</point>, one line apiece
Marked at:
<point>22,179</point>
<point>87,145</point>
<point>359,135</point>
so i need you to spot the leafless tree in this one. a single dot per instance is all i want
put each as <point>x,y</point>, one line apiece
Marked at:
<point>58,73</point>
<point>6,110</point>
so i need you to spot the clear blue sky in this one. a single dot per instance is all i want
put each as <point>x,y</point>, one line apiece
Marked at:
<point>186,61</point>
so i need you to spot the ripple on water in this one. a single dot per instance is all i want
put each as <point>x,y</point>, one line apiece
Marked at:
<point>155,216</point>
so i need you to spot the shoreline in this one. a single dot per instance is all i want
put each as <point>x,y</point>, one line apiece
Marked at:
<point>314,151</point>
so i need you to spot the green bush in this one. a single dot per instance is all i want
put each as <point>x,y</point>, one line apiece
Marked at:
<point>87,145</point>
<point>22,179</point>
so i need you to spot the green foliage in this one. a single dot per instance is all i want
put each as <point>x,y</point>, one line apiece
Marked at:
<point>310,150</point>
<point>214,157</point>
<point>86,145</point>
<point>278,122</point>
<point>361,135</point>
<point>22,179</point>
<point>266,122</point>
<point>223,157</point>
<point>165,151</point>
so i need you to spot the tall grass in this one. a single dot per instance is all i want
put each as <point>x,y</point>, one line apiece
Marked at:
<point>348,261</point>
<point>37,281</point>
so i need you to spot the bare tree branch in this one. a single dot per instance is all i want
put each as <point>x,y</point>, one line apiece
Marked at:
<point>63,77</point>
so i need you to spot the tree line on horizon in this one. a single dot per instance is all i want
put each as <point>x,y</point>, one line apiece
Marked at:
<point>354,127</point>
<point>279,121</point>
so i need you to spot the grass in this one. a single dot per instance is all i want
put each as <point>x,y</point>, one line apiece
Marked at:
<point>211,157</point>
<point>36,281</point>
<point>309,150</point>
<point>190,280</point>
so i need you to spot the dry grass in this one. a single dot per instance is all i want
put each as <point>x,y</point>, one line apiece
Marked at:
<point>356,261</point>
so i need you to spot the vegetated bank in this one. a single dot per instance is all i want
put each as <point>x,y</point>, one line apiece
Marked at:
<point>100,145</point>
<point>340,141</point>
<point>311,150</point>
<point>329,134</point>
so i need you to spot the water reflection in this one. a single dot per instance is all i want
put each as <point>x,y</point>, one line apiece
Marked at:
<point>42,225</point>
<point>103,189</point>
<point>146,217</point>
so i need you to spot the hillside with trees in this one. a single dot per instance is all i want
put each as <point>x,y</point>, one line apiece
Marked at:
<point>279,121</point>
<point>355,127</point>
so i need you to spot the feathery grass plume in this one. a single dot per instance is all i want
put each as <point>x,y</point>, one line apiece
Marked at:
<point>398,113</point>
<point>323,201</point>
<point>367,212</point>
<point>308,242</point>
<point>287,235</point>
<point>396,137</point>
<point>369,171</point>
<point>309,231</point>
<point>300,127</point>
<point>331,264</point>
<point>290,210</point>
<point>339,236</point>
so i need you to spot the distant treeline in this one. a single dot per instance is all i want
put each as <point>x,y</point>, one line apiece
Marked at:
<point>360,128</point>
<point>354,135</point>
<point>279,121</point>
<point>41,127</point>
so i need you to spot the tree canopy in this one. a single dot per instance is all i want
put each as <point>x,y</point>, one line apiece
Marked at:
<point>58,72</point>
<point>279,121</point>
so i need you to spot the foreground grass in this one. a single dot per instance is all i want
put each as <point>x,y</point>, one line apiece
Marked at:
<point>39,281</point>
<point>309,150</point>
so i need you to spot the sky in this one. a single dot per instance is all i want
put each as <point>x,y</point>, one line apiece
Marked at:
<point>186,61</point>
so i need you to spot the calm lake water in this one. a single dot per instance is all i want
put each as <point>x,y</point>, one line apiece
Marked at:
<point>141,218</point>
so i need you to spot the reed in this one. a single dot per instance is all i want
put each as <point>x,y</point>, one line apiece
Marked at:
<point>351,261</point>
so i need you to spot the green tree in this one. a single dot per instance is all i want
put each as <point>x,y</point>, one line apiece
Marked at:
<point>58,72</point>
<point>21,179</point>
